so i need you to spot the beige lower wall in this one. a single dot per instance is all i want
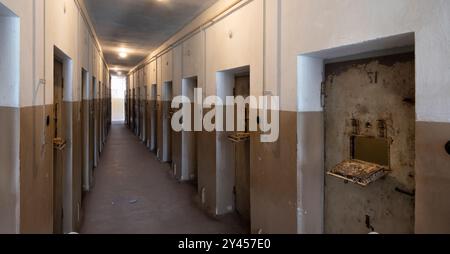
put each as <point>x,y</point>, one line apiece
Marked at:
<point>273,171</point>
<point>310,172</point>
<point>9,170</point>
<point>432,178</point>
<point>36,170</point>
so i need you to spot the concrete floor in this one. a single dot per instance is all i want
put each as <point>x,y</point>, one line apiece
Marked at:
<point>136,194</point>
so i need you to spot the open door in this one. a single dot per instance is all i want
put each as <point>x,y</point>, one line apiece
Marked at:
<point>59,146</point>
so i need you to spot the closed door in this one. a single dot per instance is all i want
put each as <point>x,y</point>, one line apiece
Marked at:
<point>167,127</point>
<point>242,157</point>
<point>154,113</point>
<point>370,101</point>
<point>58,154</point>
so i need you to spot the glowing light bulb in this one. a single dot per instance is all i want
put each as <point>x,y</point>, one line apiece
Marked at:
<point>123,54</point>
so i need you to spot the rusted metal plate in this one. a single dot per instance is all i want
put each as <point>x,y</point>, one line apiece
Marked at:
<point>239,137</point>
<point>359,172</point>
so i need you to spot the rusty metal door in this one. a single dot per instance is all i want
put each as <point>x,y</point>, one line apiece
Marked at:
<point>367,103</point>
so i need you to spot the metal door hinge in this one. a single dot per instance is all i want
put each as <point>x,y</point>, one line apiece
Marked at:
<point>322,94</point>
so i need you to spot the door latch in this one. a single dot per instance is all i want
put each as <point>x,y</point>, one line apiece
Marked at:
<point>59,144</point>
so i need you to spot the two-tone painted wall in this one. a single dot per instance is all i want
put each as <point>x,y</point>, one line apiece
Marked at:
<point>271,36</point>
<point>46,29</point>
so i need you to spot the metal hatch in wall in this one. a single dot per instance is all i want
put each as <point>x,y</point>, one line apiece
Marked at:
<point>369,163</point>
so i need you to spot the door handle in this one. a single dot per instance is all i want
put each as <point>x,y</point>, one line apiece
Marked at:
<point>59,144</point>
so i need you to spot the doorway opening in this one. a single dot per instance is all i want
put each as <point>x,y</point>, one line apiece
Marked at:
<point>189,170</point>
<point>129,107</point>
<point>127,103</point>
<point>98,121</point>
<point>148,117</point>
<point>62,176</point>
<point>133,110</point>
<point>94,121</point>
<point>144,114</point>
<point>167,116</point>
<point>118,86</point>
<point>59,146</point>
<point>86,151</point>
<point>368,136</point>
<point>359,176</point>
<point>136,110</point>
<point>153,117</point>
<point>100,117</point>
<point>233,148</point>
<point>139,112</point>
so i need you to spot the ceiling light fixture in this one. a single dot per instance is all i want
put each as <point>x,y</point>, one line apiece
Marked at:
<point>123,54</point>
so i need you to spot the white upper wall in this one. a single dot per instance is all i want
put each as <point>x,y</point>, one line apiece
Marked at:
<point>65,29</point>
<point>314,25</point>
<point>194,55</point>
<point>237,41</point>
<point>9,61</point>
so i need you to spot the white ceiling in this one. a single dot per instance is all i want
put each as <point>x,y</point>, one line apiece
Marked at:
<point>139,26</point>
